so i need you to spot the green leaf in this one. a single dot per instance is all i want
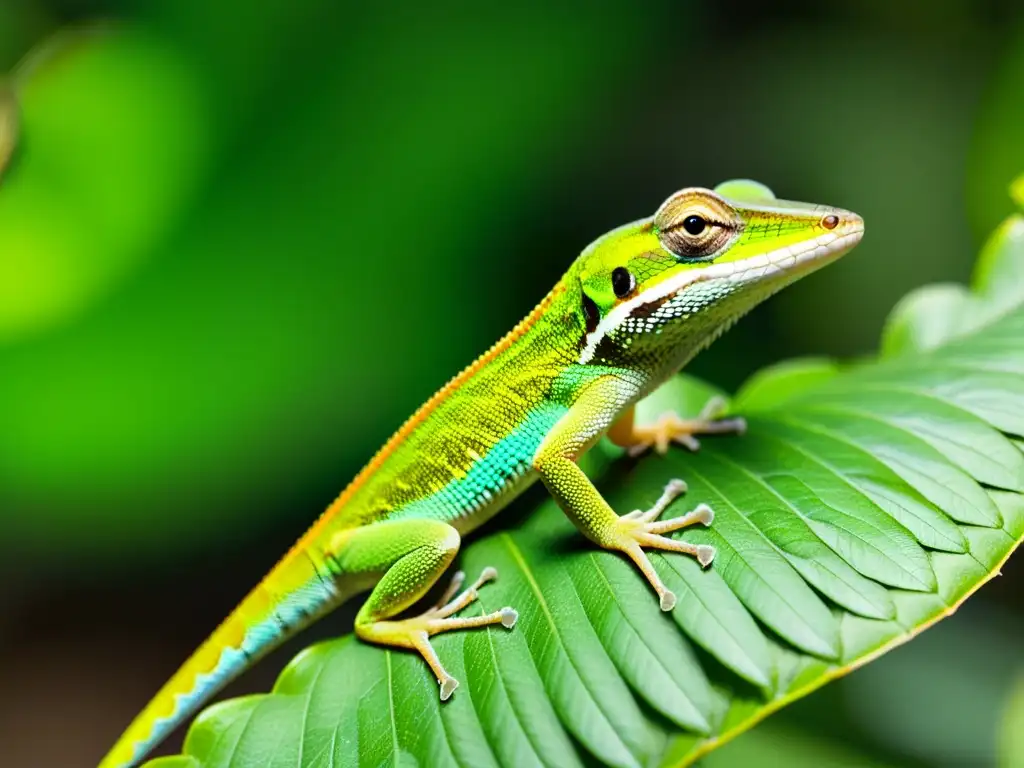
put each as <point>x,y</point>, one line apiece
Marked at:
<point>864,504</point>
<point>931,316</point>
<point>175,761</point>
<point>997,153</point>
<point>83,98</point>
<point>773,386</point>
<point>1011,752</point>
<point>1017,191</point>
<point>926,318</point>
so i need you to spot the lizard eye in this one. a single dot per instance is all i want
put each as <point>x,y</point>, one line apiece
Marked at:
<point>695,224</point>
<point>623,282</point>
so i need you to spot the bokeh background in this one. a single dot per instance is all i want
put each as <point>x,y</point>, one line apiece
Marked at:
<point>239,242</point>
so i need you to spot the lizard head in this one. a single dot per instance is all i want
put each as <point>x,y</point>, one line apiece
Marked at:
<point>655,292</point>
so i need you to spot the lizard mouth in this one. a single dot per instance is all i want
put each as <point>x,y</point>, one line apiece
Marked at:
<point>793,260</point>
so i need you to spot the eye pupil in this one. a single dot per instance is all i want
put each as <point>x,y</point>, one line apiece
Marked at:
<point>623,282</point>
<point>694,224</point>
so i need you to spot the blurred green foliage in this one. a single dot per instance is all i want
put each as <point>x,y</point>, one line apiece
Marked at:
<point>1011,752</point>
<point>239,243</point>
<point>90,197</point>
<point>217,222</point>
<point>248,336</point>
<point>774,746</point>
<point>998,151</point>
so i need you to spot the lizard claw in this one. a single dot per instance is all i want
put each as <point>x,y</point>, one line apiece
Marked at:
<point>448,686</point>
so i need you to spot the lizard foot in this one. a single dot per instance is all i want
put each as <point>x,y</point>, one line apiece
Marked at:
<point>670,427</point>
<point>415,632</point>
<point>641,528</point>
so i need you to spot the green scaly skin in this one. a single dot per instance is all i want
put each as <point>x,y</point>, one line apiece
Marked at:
<point>631,311</point>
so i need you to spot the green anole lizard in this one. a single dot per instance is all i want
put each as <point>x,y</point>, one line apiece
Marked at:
<point>633,308</point>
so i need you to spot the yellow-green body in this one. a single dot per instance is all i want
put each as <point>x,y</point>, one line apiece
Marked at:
<point>632,310</point>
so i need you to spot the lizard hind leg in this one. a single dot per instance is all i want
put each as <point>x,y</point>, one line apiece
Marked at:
<point>413,555</point>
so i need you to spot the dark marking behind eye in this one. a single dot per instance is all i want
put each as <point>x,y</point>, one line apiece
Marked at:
<point>623,282</point>
<point>591,314</point>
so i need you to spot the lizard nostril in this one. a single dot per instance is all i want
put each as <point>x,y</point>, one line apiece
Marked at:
<point>830,222</point>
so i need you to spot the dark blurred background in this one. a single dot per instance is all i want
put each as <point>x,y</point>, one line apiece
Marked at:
<point>239,242</point>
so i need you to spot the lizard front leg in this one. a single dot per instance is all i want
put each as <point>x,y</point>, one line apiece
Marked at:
<point>670,427</point>
<point>592,515</point>
<point>412,555</point>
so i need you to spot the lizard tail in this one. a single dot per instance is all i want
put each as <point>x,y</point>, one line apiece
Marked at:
<point>295,593</point>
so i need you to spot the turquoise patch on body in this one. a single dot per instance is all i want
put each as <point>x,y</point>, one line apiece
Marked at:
<point>496,472</point>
